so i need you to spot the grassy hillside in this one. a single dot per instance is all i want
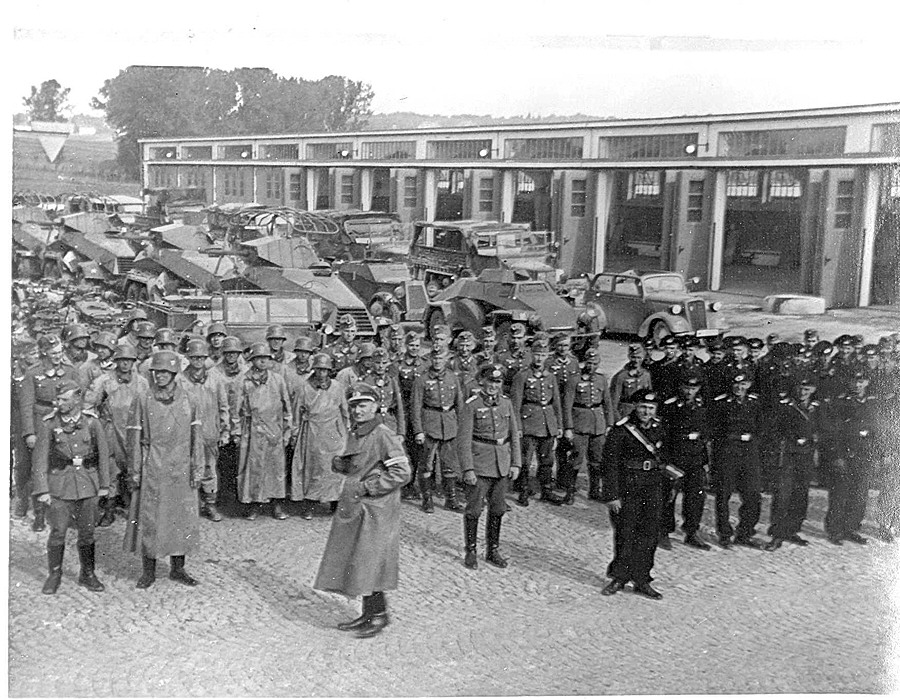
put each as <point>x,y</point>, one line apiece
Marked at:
<point>85,164</point>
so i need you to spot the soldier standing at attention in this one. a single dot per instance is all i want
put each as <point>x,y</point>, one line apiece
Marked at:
<point>490,455</point>
<point>344,351</point>
<point>76,337</point>
<point>515,358</point>
<point>276,338</point>
<point>464,362</point>
<point>665,373</point>
<point>436,401</point>
<point>144,333</point>
<point>390,405</point>
<point>104,345</point>
<point>564,365</point>
<point>165,465</point>
<point>215,336</point>
<point>536,401</point>
<point>634,490</point>
<point>298,369</point>
<point>410,367</point>
<point>353,374</point>
<point>628,380</point>
<point>70,472</point>
<point>687,439</point>
<point>735,420</point>
<point>362,554</point>
<point>588,414</point>
<point>487,353</point>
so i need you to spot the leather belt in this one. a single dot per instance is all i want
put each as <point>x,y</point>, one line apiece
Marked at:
<point>439,409</point>
<point>491,441</point>
<point>740,437</point>
<point>692,435</point>
<point>645,465</point>
<point>587,405</point>
<point>538,403</point>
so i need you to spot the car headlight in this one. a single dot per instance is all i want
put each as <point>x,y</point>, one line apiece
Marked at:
<point>399,292</point>
<point>675,309</point>
<point>715,306</point>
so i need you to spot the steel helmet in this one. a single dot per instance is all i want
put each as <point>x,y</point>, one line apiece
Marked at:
<point>260,350</point>
<point>216,327</point>
<point>144,329</point>
<point>125,351</point>
<point>275,331</point>
<point>197,348</point>
<point>105,339</point>
<point>304,344</point>
<point>74,331</point>
<point>165,360</point>
<point>165,336</point>
<point>232,344</point>
<point>322,361</point>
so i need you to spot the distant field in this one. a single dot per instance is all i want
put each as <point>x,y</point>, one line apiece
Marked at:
<point>86,164</point>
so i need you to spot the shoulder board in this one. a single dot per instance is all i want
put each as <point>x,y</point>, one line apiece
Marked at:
<point>720,397</point>
<point>671,400</point>
<point>50,416</point>
<point>751,395</point>
<point>784,401</point>
<point>472,397</point>
<point>622,421</point>
<point>814,403</point>
<point>89,412</point>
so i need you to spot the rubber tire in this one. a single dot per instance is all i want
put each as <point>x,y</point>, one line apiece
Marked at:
<point>659,331</point>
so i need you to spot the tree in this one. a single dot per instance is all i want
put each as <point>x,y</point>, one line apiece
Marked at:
<point>159,101</point>
<point>47,103</point>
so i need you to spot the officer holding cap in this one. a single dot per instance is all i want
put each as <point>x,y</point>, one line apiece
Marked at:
<point>634,490</point>
<point>165,467</point>
<point>362,554</point>
<point>490,455</point>
<point>70,472</point>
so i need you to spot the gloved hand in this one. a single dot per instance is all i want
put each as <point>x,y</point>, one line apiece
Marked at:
<point>30,441</point>
<point>469,477</point>
<point>44,498</point>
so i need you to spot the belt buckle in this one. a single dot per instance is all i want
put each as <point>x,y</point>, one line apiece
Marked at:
<point>745,437</point>
<point>693,436</point>
<point>647,466</point>
<point>77,461</point>
<point>446,408</point>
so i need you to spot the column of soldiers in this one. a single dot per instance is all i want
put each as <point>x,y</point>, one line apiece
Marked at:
<point>756,416</point>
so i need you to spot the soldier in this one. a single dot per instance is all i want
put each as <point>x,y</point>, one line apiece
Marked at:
<point>843,365</point>
<point>215,336</point>
<point>687,439</point>
<point>365,358</point>
<point>490,455</point>
<point>276,337</point>
<point>231,369</point>
<point>104,345</point>
<point>797,425</point>
<point>588,413</point>
<point>71,470</point>
<point>436,402</point>
<point>410,367</point>
<point>536,401</point>
<point>716,371</point>
<point>690,361</point>
<point>344,351</point>
<point>739,362</point>
<point>628,380</point>
<point>515,358</point>
<point>564,366</point>
<point>755,347</point>
<point>165,467</point>
<point>210,395</point>
<point>144,332</point>
<point>395,343</point>
<point>38,392</point>
<point>128,333</point>
<point>110,396</point>
<point>362,554</point>
<point>76,337</point>
<point>321,424</point>
<point>164,340</point>
<point>854,419</point>
<point>390,403</point>
<point>735,420</point>
<point>810,338</point>
<point>634,490</point>
<point>298,369</point>
<point>382,332</point>
<point>464,362</point>
<point>441,336</point>
<point>265,427</point>
<point>665,373</point>
<point>487,353</point>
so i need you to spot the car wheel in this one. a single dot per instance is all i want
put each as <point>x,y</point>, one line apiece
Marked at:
<point>388,310</point>
<point>435,319</point>
<point>660,331</point>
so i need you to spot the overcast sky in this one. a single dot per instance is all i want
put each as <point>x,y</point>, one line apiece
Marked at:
<point>488,57</point>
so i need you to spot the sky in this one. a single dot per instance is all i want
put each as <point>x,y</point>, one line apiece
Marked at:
<point>495,57</point>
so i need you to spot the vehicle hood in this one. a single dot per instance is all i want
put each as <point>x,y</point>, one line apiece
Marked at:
<point>672,298</point>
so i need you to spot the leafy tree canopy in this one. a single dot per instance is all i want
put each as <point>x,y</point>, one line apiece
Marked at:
<point>159,101</point>
<point>47,103</point>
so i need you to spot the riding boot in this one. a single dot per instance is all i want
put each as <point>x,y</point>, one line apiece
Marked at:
<point>39,524</point>
<point>54,565</point>
<point>493,541</point>
<point>549,495</point>
<point>177,572</point>
<point>209,507</point>
<point>571,489</point>
<point>470,524</point>
<point>362,619</point>
<point>593,483</point>
<point>427,500</point>
<point>88,578</point>
<point>451,502</point>
<point>107,512</point>
<point>149,576</point>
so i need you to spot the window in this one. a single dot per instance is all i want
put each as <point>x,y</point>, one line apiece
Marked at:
<point>579,197</point>
<point>603,283</point>
<point>641,147</point>
<point>347,189</point>
<point>459,150</point>
<point>893,187</point>
<point>644,183</point>
<point>274,184</point>
<point>886,139</point>
<point>545,149</point>
<point>163,153</point>
<point>329,151</point>
<point>843,205</point>
<point>628,287</point>
<point>279,151</point>
<point>695,201</point>
<point>784,184</point>
<point>388,150</point>
<point>196,152</point>
<point>742,183</point>
<point>410,192</point>
<point>783,142</point>
<point>194,177</point>
<point>448,238</point>
<point>295,187</point>
<point>232,183</point>
<point>235,152</point>
<point>486,195</point>
<point>451,181</point>
<point>524,183</point>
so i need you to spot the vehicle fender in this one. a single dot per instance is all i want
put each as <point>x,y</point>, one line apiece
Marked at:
<point>445,307</point>
<point>676,324</point>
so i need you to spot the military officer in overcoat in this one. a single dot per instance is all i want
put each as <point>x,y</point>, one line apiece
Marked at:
<point>70,473</point>
<point>489,456</point>
<point>635,486</point>
<point>362,554</point>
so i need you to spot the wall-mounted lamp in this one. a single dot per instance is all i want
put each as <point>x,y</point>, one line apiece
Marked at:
<point>344,153</point>
<point>170,154</point>
<point>692,149</point>
<point>245,154</point>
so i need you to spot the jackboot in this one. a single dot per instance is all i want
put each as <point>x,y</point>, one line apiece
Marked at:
<point>149,576</point>
<point>427,501</point>
<point>209,507</point>
<point>493,542</point>
<point>107,512</point>
<point>593,485</point>
<point>571,489</point>
<point>88,578</point>
<point>39,524</point>
<point>361,620</point>
<point>54,565</point>
<point>470,526</point>
<point>177,572</point>
<point>549,495</point>
<point>451,502</point>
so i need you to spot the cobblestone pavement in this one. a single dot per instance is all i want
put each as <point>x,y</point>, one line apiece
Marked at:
<point>816,619</point>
